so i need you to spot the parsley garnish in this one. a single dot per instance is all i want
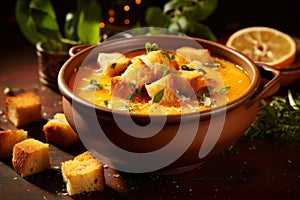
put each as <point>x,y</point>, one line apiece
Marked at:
<point>279,119</point>
<point>113,66</point>
<point>158,97</point>
<point>93,85</point>
<point>165,53</point>
<point>224,90</point>
<point>107,103</point>
<point>212,64</point>
<point>186,68</point>
<point>151,47</point>
<point>165,71</point>
<point>137,92</point>
<point>205,99</point>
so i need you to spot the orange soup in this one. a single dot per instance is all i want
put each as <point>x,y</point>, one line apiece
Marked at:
<point>160,82</point>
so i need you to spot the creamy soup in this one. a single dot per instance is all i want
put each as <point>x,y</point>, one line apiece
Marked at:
<point>160,82</point>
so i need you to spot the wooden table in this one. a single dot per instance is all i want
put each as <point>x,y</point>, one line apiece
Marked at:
<point>260,169</point>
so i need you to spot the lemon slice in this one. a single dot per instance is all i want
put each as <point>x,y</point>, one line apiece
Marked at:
<point>264,44</point>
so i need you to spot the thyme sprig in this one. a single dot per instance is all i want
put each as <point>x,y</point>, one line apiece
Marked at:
<point>279,119</point>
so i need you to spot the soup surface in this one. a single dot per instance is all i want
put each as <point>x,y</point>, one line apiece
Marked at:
<point>156,81</point>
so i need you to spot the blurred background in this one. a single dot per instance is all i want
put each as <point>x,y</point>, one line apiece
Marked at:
<point>229,16</point>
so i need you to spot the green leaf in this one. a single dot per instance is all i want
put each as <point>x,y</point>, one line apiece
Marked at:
<point>151,47</point>
<point>278,119</point>
<point>93,85</point>
<point>181,24</point>
<point>172,5</point>
<point>155,17</point>
<point>205,99</point>
<point>165,71</point>
<point>224,90</point>
<point>201,30</point>
<point>44,17</point>
<point>200,10</point>
<point>107,103</point>
<point>25,21</point>
<point>88,29</point>
<point>212,64</point>
<point>158,97</point>
<point>208,7</point>
<point>70,26</point>
<point>292,102</point>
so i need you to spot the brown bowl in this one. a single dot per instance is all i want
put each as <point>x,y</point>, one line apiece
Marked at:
<point>180,142</point>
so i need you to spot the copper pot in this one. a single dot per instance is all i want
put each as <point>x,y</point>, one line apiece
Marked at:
<point>181,142</point>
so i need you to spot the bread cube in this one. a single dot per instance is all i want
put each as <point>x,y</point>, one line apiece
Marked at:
<point>59,132</point>
<point>23,109</point>
<point>83,174</point>
<point>30,156</point>
<point>112,64</point>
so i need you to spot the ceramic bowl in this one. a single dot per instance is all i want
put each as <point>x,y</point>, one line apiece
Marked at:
<point>181,142</point>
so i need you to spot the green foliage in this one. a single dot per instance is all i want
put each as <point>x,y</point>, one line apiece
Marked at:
<point>38,23</point>
<point>279,119</point>
<point>184,16</point>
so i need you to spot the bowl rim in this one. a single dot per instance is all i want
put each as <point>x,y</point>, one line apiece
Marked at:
<point>252,89</point>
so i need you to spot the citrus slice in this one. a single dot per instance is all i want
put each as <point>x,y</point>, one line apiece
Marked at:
<point>264,44</point>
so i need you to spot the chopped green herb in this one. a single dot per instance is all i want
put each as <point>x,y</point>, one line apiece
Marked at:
<point>132,84</point>
<point>135,107</point>
<point>165,71</point>
<point>113,66</point>
<point>151,47</point>
<point>136,92</point>
<point>186,68</point>
<point>224,90</point>
<point>107,103</point>
<point>212,64</point>
<point>165,53</point>
<point>158,97</point>
<point>93,85</point>
<point>205,99</point>
<point>279,119</point>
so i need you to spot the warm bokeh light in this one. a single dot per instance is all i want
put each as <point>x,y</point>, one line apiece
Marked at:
<point>102,24</point>
<point>126,21</point>
<point>111,12</point>
<point>111,20</point>
<point>138,1</point>
<point>126,8</point>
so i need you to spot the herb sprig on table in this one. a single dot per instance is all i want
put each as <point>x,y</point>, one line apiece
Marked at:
<point>278,119</point>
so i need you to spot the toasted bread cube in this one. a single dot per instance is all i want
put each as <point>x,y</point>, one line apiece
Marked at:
<point>192,54</point>
<point>157,58</point>
<point>112,64</point>
<point>173,85</point>
<point>83,174</point>
<point>30,157</point>
<point>8,139</point>
<point>195,79</point>
<point>59,132</point>
<point>137,73</point>
<point>23,109</point>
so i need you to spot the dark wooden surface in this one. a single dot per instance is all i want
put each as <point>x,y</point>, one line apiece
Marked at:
<point>260,169</point>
